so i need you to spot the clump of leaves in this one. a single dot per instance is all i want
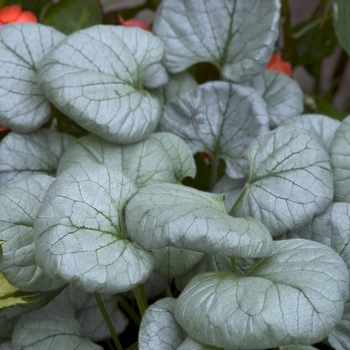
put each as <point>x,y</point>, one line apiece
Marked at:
<point>103,222</point>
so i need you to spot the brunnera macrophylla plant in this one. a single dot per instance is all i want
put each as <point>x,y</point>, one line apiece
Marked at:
<point>89,224</point>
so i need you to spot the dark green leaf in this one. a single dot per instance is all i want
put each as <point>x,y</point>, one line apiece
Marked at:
<point>69,16</point>
<point>316,43</point>
<point>341,15</point>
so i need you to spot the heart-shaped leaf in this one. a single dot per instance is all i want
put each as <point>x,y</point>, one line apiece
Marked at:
<point>23,105</point>
<point>226,34</point>
<point>170,158</point>
<point>321,127</point>
<point>20,204</point>
<point>290,180</point>
<point>170,215</point>
<point>94,76</point>
<point>340,148</point>
<point>36,152</point>
<point>80,235</point>
<point>283,96</point>
<point>218,118</point>
<point>295,296</point>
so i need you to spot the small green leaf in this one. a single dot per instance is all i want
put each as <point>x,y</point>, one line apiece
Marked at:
<point>295,296</point>
<point>315,40</point>
<point>340,148</point>
<point>23,105</point>
<point>80,234</point>
<point>290,180</point>
<point>85,77</point>
<point>68,16</point>
<point>341,14</point>
<point>169,215</point>
<point>226,34</point>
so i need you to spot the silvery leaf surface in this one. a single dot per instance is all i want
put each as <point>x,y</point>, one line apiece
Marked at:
<point>161,158</point>
<point>231,188</point>
<point>224,33</point>
<point>172,261</point>
<point>155,76</point>
<point>218,118</point>
<point>94,76</point>
<point>171,215</point>
<point>177,84</point>
<point>22,155</point>
<point>159,329</point>
<point>294,296</point>
<point>321,127</point>
<point>290,181</point>
<point>283,96</point>
<point>179,153</point>
<point>339,338</point>
<point>50,328</point>
<point>191,344</point>
<point>209,263</point>
<point>23,105</point>
<point>79,233</point>
<point>20,203</point>
<point>330,228</point>
<point>340,148</point>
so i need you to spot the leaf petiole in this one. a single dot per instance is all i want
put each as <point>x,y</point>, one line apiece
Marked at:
<point>108,321</point>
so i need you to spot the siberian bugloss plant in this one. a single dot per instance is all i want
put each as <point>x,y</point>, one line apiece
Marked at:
<point>259,259</point>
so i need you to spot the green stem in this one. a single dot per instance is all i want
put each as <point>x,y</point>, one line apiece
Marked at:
<point>288,50</point>
<point>315,23</point>
<point>213,172</point>
<point>168,292</point>
<point>141,299</point>
<point>233,264</point>
<point>130,311</point>
<point>108,321</point>
<point>110,345</point>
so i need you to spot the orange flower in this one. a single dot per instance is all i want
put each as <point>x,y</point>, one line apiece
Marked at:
<point>14,14</point>
<point>278,64</point>
<point>133,22</point>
